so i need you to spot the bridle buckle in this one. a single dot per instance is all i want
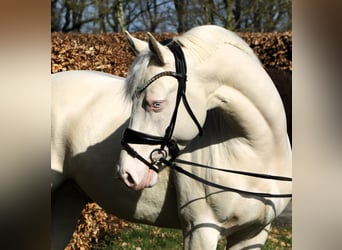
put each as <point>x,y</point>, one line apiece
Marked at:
<point>157,155</point>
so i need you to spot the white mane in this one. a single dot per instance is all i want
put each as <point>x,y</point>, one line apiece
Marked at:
<point>206,39</point>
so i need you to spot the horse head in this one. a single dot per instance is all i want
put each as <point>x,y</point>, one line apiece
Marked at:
<point>173,84</point>
<point>167,113</point>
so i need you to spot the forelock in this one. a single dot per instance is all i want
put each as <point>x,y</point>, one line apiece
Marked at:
<point>136,74</point>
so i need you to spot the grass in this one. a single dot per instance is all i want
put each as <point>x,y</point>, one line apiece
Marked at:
<point>280,238</point>
<point>143,237</point>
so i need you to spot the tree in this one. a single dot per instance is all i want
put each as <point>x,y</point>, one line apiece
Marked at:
<point>167,15</point>
<point>179,8</point>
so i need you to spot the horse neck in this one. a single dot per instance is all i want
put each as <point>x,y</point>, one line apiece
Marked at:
<point>243,91</point>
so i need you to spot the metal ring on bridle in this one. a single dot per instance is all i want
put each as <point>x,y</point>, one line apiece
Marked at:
<point>157,154</point>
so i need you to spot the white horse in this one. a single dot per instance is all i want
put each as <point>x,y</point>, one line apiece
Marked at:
<point>89,115</point>
<point>231,99</point>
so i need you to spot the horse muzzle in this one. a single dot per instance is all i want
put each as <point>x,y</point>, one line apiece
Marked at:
<point>138,180</point>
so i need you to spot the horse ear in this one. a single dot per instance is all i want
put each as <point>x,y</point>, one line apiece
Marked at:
<point>135,44</point>
<point>156,48</point>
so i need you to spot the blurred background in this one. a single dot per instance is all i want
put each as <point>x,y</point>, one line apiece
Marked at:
<point>98,16</point>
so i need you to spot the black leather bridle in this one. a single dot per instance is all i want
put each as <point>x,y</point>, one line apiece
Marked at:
<point>159,155</point>
<point>135,137</point>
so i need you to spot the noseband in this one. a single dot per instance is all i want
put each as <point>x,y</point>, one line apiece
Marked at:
<point>135,137</point>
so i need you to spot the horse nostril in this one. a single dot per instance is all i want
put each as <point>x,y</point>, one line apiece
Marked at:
<point>129,179</point>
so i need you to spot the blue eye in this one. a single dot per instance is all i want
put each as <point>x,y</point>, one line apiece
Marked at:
<point>156,106</point>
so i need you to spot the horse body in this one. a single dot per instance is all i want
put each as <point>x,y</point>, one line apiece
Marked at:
<point>244,128</point>
<point>88,115</point>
